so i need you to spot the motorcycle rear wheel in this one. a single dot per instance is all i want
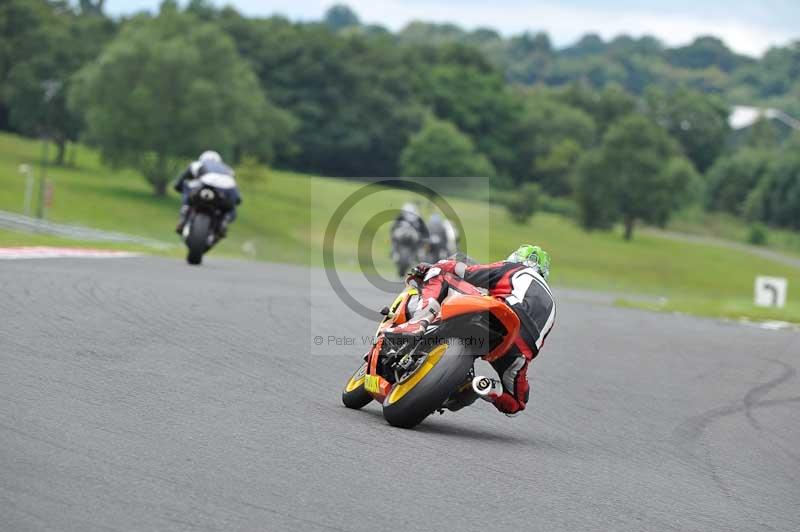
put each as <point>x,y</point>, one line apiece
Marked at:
<point>354,394</point>
<point>197,241</point>
<point>440,374</point>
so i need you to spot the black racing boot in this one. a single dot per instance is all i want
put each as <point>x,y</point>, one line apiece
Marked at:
<point>465,396</point>
<point>222,232</point>
<point>182,219</point>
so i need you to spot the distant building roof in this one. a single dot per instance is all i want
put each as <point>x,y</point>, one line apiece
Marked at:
<point>744,116</point>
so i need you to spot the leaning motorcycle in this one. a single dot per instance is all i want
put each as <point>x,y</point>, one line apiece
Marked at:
<point>412,377</point>
<point>208,203</point>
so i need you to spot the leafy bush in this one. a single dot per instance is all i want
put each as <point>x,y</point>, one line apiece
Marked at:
<point>439,149</point>
<point>523,203</point>
<point>732,178</point>
<point>251,170</point>
<point>563,206</point>
<point>758,234</point>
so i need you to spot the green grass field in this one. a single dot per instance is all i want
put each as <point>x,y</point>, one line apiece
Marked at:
<point>284,217</point>
<point>695,221</point>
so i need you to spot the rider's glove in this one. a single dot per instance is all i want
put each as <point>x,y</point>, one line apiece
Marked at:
<point>413,329</point>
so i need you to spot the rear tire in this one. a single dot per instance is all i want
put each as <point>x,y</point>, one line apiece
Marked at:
<point>197,241</point>
<point>354,395</point>
<point>432,391</point>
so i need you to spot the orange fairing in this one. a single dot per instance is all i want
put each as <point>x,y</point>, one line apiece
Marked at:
<point>459,304</point>
<point>399,310</point>
<point>372,370</point>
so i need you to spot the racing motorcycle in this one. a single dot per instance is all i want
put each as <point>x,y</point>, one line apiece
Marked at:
<point>407,248</point>
<point>412,377</point>
<point>208,203</point>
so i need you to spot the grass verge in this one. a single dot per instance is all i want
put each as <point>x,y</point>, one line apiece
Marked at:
<point>734,309</point>
<point>284,217</point>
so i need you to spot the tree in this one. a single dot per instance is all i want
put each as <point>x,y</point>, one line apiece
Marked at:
<point>548,139</point>
<point>630,177</point>
<point>690,185</point>
<point>147,102</point>
<point>45,44</point>
<point>439,149</point>
<point>705,52</point>
<point>339,17</point>
<point>528,58</point>
<point>351,94</point>
<point>732,178</point>
<point>203,9</point>
<point>699,122</point>
<point>91,7</point>
<point>605,107</point>
<point>777,73</point>
<point>22,34</point>
<point>762,134</point>
<point>589,44</point>
<point>776,198</point>
<point>461,87</point>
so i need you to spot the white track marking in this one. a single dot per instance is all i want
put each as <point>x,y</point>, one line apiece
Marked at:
<point>43,252</point>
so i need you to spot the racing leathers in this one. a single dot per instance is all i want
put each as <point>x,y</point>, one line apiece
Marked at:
<point>524,290</point>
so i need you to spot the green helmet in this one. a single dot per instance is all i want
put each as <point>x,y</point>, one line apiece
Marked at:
<point>532,257</point>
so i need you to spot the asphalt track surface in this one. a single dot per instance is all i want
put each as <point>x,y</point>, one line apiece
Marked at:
<point>142,394</point>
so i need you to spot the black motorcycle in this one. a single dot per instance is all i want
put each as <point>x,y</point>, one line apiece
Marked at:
<point>207,208</point>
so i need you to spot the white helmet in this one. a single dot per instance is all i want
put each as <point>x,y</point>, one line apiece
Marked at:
<point>210,156</point>
<point>409,208</point>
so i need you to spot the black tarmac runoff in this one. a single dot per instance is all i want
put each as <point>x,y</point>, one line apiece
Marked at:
<point>144,394</point>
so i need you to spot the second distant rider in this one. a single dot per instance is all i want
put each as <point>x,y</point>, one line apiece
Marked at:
<point>209,162</point>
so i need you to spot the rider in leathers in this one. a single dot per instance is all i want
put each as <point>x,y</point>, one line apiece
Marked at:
<point>520,281</point>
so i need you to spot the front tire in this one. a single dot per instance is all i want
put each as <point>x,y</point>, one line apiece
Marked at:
<point>448,365</point>
<point>354,395</point>
<point>197,241</point>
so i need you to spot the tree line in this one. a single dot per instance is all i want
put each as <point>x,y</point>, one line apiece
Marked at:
<point>626,129</point>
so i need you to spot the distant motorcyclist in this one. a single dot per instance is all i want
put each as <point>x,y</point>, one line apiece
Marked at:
<point>409,236</point>
<point>409,215</point>
<point>521,282</point>
<point>209,164</point>
<point>443,238</point>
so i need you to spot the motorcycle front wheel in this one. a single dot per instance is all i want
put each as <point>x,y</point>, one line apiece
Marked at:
<point>354,394</point>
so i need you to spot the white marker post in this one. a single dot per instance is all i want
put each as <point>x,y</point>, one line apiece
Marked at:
<point>25,169</point>
<point>770,292</point>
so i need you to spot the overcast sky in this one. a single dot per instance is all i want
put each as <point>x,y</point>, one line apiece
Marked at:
<point>747,26</point>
